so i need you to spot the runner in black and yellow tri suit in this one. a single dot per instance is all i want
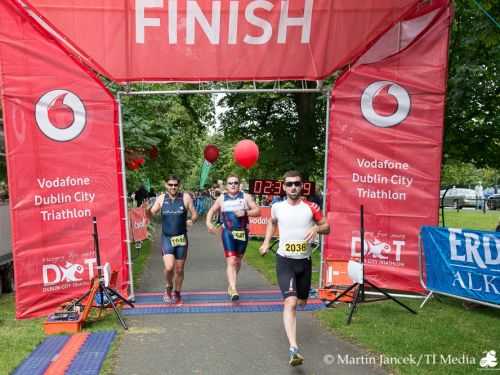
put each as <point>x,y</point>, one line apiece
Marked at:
<point>174,207</point>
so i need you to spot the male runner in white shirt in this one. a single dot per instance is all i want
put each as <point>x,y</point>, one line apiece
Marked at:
<point>299,221</point>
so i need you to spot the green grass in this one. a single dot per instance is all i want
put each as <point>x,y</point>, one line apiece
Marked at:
<point>443,327</point>
<point>471,219</point>
<point>18,338</point>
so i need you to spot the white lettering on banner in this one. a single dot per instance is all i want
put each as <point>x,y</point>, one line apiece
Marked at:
<point>140,224</point>
<point>381,179</point>
<point>484,283</point>
<point>382,164</point>
<point>84,196</point>
<point>471,252</point>
<point>64,214</point>
<point>53,274</point>
<point>212,30</point>
<point>58,198</point>
<point>380,194</point>
<point>258,220</point>
<point>67,181</point>
<point>378,249</point>
<point>141,21</point>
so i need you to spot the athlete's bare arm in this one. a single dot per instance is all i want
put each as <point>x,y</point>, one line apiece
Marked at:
<point>321,227</point>
<point>271,227</point>
<point>156,206</point>
<point>215,207</point>
<point>188,203</point>
<point>253,209</point>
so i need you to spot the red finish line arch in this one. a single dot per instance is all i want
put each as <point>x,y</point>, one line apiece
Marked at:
<point>58,177</point>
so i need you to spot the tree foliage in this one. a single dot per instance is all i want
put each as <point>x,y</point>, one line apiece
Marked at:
<point>288,128</point>
<point>176,125</point>
<point>472,132</point>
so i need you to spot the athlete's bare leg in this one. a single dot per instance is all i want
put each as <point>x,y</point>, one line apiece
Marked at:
<point>290,319</point>
<point>179,273</point>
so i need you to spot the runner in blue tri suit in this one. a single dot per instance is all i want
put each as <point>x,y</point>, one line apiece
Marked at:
<point>174,207</point>
<point>235,206</point>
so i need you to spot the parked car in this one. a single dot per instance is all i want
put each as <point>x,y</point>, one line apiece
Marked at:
<point>493,202</point>
<point>459,198</point>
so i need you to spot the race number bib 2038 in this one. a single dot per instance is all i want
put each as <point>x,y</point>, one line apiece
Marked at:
<point>296,247</point>
<point>239,235</point>
<point>178,240</point>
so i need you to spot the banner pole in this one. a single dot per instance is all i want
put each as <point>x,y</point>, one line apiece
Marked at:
<point>125,194</point>
<point>325,176</point>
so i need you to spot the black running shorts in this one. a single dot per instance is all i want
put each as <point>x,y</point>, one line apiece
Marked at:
<point>294,276</point>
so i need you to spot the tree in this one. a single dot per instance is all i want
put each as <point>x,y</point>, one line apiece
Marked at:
<point>288,128</point>
<point>175,125</point>
<point>472,131</point>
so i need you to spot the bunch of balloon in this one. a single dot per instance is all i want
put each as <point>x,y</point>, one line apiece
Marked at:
<point>211,154</point>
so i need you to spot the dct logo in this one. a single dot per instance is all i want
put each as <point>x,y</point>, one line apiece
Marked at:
<point>389,249</point>
<point>70,272</point>
<point>60,120</point>
<point>399,93</point>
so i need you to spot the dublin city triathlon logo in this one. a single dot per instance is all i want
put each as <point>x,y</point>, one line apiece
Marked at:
<point>385,121</point>
<point>60,115</point>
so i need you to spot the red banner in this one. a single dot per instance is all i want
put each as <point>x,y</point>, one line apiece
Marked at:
<point>385,144</point>
<point>62,146</point>
<point>192,40</point>
<point>257,224</point>
<point>138,223</point>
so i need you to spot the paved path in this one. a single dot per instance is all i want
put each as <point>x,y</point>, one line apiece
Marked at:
<point>229,343</point>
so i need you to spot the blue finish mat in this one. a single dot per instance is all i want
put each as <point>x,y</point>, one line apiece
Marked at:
<point>183,309</point>
<point>41,358</point>
<point>200,298</point>
<point>90,357</point>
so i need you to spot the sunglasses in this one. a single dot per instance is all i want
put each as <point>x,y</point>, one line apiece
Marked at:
<point>293,183</point>
<point>173,185</point>
<point>233,183</point>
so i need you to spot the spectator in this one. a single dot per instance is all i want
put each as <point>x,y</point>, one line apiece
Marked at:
<point>479,195</point>
<point>140,195</point>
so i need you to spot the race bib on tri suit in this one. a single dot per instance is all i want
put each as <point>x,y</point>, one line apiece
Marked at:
<point>296,247</point>
<point>179,240</point>
<point>239,235</point>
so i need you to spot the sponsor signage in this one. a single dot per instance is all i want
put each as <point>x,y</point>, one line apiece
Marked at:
<point>385,147</point>
<point>62,147</point>
<point>192,40</point>
<point>461,262</point>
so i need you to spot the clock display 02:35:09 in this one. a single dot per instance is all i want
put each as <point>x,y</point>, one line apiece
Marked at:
<point>275,187</point>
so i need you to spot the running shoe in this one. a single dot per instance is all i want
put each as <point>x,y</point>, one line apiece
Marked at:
<point>233,294</point>
<point>295,358</point>
<point>177,298</point>
<point>167,295</point>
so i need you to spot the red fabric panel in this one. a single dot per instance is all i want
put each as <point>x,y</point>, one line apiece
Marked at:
<point>221,40</point>
<point>62,142</point>
<point>138,223</point>
<point>385,144</point>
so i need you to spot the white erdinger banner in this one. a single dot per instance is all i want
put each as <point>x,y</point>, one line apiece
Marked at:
<point>385,146</point>
<point>62,143</point>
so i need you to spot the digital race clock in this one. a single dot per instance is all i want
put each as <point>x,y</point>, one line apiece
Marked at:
<point>275,187</point>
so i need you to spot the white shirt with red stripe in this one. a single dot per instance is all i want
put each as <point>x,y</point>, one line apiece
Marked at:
<point>293,223</point>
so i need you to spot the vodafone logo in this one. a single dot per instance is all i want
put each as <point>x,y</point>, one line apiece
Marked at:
<point>385,121</point>
<point>60,115</point>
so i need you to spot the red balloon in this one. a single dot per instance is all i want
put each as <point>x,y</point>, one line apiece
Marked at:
<point>211,153</point>
<point>153,152</point>
<point>246,153</point>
